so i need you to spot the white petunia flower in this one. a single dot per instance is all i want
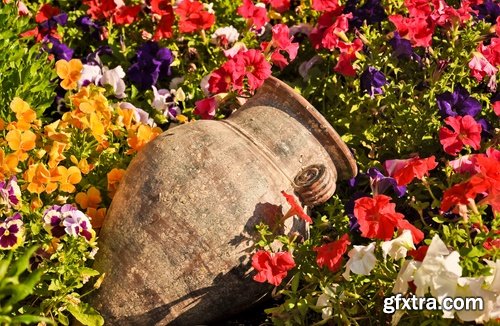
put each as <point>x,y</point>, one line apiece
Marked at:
<point>361,260</point>
<point>229,33</point>
<point>114,77</point>
<point>405,275</point>
<point>90,74</point>
<point>398,247</point>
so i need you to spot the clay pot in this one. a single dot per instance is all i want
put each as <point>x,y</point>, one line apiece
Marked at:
<point>177,240</point>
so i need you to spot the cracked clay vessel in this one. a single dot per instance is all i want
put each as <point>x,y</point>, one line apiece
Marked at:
<point>176,243</point>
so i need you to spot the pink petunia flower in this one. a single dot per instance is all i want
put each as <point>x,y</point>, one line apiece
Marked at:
<point>255,15</point>
<point>481,67</point>
<point>466,131</point>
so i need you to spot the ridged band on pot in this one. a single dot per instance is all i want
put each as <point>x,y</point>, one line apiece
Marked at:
<point>315,184</point>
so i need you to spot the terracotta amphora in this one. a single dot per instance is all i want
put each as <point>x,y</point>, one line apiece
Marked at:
<point>176,244</point>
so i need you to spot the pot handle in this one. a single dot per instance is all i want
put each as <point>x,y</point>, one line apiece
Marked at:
<point>315,184</point>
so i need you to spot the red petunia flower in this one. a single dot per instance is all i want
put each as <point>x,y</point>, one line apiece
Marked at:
<point>377,217</point>
<point>347,56</point>
<point>126,15</point>
<point>99,9</point>
<point>416,233</point>
<point>193,16</point>
<point>279,5</point>
<point>325,5</point>
<point>332,35</point>
<point>206,108</point>
<point>330,254</point>
<point>228,75</point>
<point>404,171</point>
<point>281,41</point>
<point>481,67</point>
<point>455,195</point>
<point>418,30</point>
<point>466,131</point>
<point>255,15</point>
<point>164,27</point>
<point>272,267</point>
<point>46,12</point>
<point>256,68</point>
<point>496,108</point>
<point>295,209</point>
<point>419,254</point>
<point>161,7</point>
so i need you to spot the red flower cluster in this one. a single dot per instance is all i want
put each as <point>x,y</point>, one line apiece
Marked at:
<point>248,66</point>
<point>378,218</point>
<point>44,14</point>
<point>108,9</point>
<point>295,208</point>
<point>164,9</point>
<point>485,61</point>
<point>279,5</point>
<point>281,42</point>
<point>193,16</point>
<point>425,16</point>
<point>466,131</point>
<point>486,182</point>
<point>404,171</point>
<point>256,15</point>
<point>330,254</point>
<point>330,34</point>
<point>272,267</point>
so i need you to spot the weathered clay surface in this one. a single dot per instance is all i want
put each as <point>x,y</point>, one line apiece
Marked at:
<point>176,243</point>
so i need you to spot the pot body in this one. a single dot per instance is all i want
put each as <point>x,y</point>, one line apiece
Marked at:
<point>177,241</point>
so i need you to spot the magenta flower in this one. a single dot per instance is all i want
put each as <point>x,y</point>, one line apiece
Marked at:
<point>466,131</point>
<point>66,219</point>
<point>11,232</point>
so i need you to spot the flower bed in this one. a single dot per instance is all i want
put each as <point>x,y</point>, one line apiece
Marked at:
<point>409,85</point>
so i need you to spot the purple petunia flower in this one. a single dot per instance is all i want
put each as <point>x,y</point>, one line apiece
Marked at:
<point>489,10</point>
<point>380,183</point>
<point>58,49</point>
<point>89,26</point>
<point>402,48</point>
<point>10,194</point>
<point>457,103</point>
<point>370,12</point>
<point>11,232</point>
<point>52,22</point>
<point>151,63</point>
<point>372,81</point>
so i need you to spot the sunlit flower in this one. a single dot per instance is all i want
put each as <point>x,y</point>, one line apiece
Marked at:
<point>398,248</point>
<point>193,17</point>
<point>76,223</point>
<point>12,232</point>
<point>330,254</point>
<point>256,15</point>
<point>361,260</point>
<point>114,78</point>
<point>457,103</point>
<point>69,177</point>
<point>10,193</point>
<point>272,267</point>
<point>225,36</point>
<point>114,176</point>
<point>143,135</point>
<point>372,81</point>
<point>8,164</point>
<point>405,170</point>
<point>24,114</point>
<point>70,72</point>
<point>92,198</point>
<point>405,275</point>
<point>466,131</point>
<point>206,107</point>
<point>295,208</point>
<point>377,217</point>
<point>21,141</point>
<point>53,221</point>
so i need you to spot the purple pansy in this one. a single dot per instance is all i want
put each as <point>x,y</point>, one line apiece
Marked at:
<point>372,81</point>
<point>77,224</point>
<point>151,63</point>
<point>66,219</point>
<point>402,48</point>
<point>10,194</point>
<point>89,26</point>
<point>370,12</point>
<point>457,103</point>
<point>52,22</point>
<point>11,232</point>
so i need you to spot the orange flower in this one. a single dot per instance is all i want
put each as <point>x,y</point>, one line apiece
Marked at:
<point>69,72</point>
<point>21,141</point>
<point>55,154</point>
<point>143,136</point>
<point>83,165</point>
<point>40,179</point>
<point>24,114</point>
<point>91,199</point>
<point>97,216</point>
<point>114,177</point>
<point>125,118</point>
<point>8,164</point>
<point>69,178</point>
<point>97,128</point>
<point>53,134</point>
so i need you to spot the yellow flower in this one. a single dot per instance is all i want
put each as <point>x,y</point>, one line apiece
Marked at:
<point>69,178</point>
<point>24,114</point>
<point>83,165</point>
<point>143,136</point>
<point>70,72</point>
<point>55,154</point>
<point>114,177</point>
<point>40,179</point>
<point>92,198</point>
<point>21,142</point>
<point>8,164</point>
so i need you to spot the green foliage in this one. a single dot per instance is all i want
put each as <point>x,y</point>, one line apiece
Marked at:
<point>25,71</point>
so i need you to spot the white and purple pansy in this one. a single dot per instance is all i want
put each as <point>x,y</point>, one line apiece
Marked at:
<point>10,194</point>
<point>11,232</point>
<point>66,219</point>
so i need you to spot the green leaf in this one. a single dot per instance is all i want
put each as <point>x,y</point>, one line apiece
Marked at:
<point>31,319</point>
<point>86,315</point>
